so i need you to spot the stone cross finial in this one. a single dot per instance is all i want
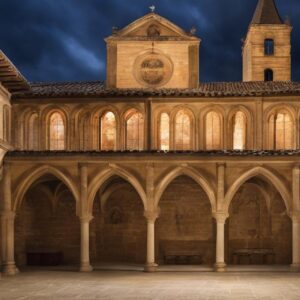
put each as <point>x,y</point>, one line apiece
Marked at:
<point>152,8</point>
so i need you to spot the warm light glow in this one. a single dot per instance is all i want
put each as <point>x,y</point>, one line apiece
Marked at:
<point>108,131</point>
<point>135,131</point>
<point>213,131</point>
<point>33,132</point>
<point>182,131</point>
<point>84,133</point>
<point>281,131</point>
<point>57,132</point>
<point>164,132</point>
<point>239,131</point>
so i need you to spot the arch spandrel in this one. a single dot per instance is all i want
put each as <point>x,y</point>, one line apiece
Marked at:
<point>27,179</point>
<point>105,175</point>
<point>264,174</point>
<point>199,178</point>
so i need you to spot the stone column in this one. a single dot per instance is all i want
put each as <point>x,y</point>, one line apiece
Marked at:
<point>220,241</point>
<point>151,217</point>
<point>7,223</point>
<point>85,219</point>
<point>85,244</point>
<point>296,242</point>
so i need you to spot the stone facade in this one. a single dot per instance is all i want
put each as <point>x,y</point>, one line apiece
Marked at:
<point>153,166</point>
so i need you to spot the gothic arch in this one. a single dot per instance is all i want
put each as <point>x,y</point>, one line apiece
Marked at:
<point>267,115</point>
<point>189,111</point>
<point>28,178</point>
<point>108,173</point>
<point>249,125</point>
<point>203,130</point>
<point>192,173</point>
<point>45,119</point>
<point>266,174</point>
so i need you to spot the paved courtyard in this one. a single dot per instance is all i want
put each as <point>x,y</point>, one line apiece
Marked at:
<point>133,285</point>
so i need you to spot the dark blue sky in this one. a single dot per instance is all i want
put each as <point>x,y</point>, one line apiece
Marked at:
<point>63,40</point>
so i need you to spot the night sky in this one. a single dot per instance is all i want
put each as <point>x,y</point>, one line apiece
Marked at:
<point>63,40</point>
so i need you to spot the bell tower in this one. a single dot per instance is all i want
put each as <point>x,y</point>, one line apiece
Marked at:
<point>267,47</point>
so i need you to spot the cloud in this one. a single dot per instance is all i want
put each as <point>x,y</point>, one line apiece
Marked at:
<point>63,40</point>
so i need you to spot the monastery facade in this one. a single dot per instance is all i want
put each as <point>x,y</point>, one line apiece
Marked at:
<point>152,166</point>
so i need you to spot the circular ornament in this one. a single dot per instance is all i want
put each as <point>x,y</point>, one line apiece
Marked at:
<point>153,69</point>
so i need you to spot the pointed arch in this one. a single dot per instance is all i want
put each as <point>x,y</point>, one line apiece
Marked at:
<point>33,175</point>
<point>192,173</point>
<point>102,177</point>
<point>265,174</point>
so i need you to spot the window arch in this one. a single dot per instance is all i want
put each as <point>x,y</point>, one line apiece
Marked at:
<point>6,123</point>
<point>269,47</point>
<point>108,131</point>
<point>164,132</point>
<point>134,131</point>
<point>57,132</point>
<point>33,132</point>
<point>281,131</point>
<point>182,130</point>
<point>239,126</point>
<point>84,132</point>
<point>213,131</point>
<point>269,75</point>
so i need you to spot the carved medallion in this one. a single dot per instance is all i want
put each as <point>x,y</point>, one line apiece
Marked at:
<point>153,69</point>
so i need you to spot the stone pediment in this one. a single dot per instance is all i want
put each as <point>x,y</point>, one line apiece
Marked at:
<point>152,26</point>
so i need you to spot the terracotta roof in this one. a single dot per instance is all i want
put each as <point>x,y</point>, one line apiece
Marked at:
<point>220,89</point>
<point>235,153</point>
<point>10,77</point>
<point>266,13</point>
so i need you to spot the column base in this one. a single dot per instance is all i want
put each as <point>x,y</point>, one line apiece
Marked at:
<point>86,268</point>
<point>150,268</point>
<point>10,269</point>
<point>295,267</point>
<point>220,267</point>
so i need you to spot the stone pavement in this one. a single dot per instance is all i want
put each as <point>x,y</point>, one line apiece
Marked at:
<point>133,285</point>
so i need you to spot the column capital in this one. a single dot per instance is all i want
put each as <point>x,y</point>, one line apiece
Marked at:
<point>152,215</point>
<point>86,219</point>
<point>82,165</point>
<point>221,217</point>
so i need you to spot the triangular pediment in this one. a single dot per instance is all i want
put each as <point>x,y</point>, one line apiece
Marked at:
<point>153,26</point>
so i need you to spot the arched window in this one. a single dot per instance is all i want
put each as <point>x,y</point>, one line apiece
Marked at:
<point>164,132</point>
<point>135,131</point>
<point>57,132</point>
<point>6,123</point>
<point>239,131</point>
<point>84,132</point>
<point>182,131</point>
<point>33,132</point>
<point>269,47</point>
<point>108,131</point>
<point>269,76</point>
<point>281,131</point>
<point>213,131</point>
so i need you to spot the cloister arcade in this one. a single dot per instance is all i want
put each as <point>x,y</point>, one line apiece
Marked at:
<point>130,211</point>
<point>179,128</point>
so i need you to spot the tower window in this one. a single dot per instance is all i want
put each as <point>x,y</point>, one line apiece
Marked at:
<point>269,47</point>
<point>269,75</point>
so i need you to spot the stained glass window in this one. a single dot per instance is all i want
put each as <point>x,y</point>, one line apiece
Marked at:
<point>239,131</point>
<point>57,132</point>
<point>213,131</point>
<point>281,131</point>
<point>33,132</point>
<point>164,132</point>
<point>108,131</point>
<point>182,131</point>
<point>135,131</point>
